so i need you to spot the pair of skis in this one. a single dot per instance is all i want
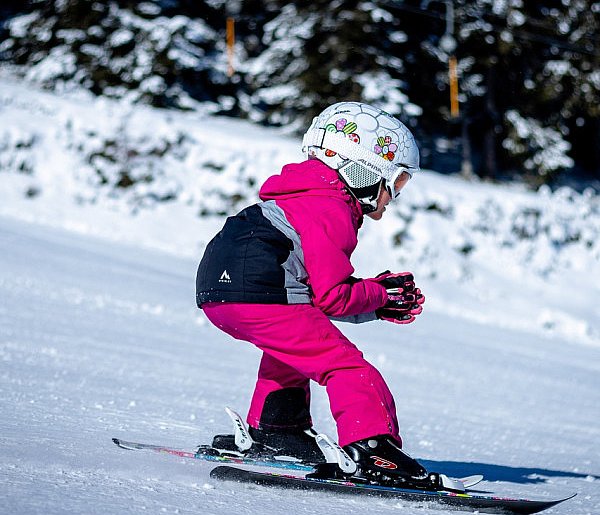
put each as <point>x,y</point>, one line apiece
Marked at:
<point>290,474</point>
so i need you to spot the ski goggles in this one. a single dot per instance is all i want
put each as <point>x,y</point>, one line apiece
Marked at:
<point>391,187</point>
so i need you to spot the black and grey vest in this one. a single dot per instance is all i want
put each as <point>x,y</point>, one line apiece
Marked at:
<point>255,258</point>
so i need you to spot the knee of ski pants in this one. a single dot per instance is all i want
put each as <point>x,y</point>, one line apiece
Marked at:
<point>298,335</point>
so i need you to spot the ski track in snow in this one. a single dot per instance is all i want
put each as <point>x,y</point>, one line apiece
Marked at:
<point>98,339</point>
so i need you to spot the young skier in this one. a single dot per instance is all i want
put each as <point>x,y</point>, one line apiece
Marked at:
<point>279,270</point>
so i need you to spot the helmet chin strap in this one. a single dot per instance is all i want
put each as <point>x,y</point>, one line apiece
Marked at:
<point>367,207</point>
<point>366,197</point>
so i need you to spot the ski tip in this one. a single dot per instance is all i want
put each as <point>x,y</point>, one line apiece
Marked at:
<point>537,506</point>
<point>120,443</point>
<point>549,504</point>
<point>570,497</point>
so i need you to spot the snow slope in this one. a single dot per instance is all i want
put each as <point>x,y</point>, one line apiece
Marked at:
<point>98,340</point>
<point>100,337</point>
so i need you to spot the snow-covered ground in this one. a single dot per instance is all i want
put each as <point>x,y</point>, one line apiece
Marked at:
<point>100,337</point>
<point>100,340</point>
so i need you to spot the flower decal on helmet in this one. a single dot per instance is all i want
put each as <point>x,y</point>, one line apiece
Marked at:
<point>385,148</point>
<point>347,128</point>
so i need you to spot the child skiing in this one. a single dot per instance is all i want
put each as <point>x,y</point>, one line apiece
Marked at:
<point>279,270</point>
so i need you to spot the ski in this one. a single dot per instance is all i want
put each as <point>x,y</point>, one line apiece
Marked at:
<point>332,453</point>
<point>461,501</point>
<point>208,453</point>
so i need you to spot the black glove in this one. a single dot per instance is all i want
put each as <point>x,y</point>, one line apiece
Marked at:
<point>404,299</point>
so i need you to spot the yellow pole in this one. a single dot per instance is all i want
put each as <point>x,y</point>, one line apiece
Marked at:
<point>453,76</point>
<point>230,45</point>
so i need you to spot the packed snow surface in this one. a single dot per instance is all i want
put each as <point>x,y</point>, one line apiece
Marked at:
<point>100,337</point>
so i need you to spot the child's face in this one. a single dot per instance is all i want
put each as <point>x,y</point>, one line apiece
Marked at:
<point>384,197</point>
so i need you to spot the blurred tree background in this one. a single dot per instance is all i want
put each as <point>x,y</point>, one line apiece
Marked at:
<point>528,72</point>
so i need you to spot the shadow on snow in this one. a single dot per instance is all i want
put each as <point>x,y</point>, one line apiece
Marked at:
<point>522,475</point>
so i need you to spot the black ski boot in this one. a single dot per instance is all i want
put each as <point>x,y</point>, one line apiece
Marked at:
<point>381,460</point>
<point>296,443</point>
<point>284,430</point>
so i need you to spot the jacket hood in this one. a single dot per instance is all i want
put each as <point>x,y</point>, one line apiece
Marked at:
<point>309,178</point>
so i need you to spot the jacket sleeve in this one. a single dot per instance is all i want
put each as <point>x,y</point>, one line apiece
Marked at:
<point>327,247</point>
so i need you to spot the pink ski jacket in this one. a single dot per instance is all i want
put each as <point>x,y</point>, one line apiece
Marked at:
<point>326,218</point>
<point>294,247</point>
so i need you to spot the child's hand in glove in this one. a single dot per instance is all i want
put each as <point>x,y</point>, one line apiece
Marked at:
<point>404,299</point>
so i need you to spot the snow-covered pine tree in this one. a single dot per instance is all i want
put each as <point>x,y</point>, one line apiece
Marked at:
<point>569,80</point>
<point>527,82</point>
<point>156,52</point>
<point>320,52</point>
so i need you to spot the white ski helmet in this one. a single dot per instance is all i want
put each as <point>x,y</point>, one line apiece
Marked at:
<point>368,147</point>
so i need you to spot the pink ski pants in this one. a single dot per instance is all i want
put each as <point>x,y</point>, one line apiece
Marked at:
<point>300,343</point>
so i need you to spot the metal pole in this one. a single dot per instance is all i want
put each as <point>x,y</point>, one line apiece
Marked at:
<point>448,45</point>
<point>453,78</point>
<point>230,45</point>
<point>452,61</point>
